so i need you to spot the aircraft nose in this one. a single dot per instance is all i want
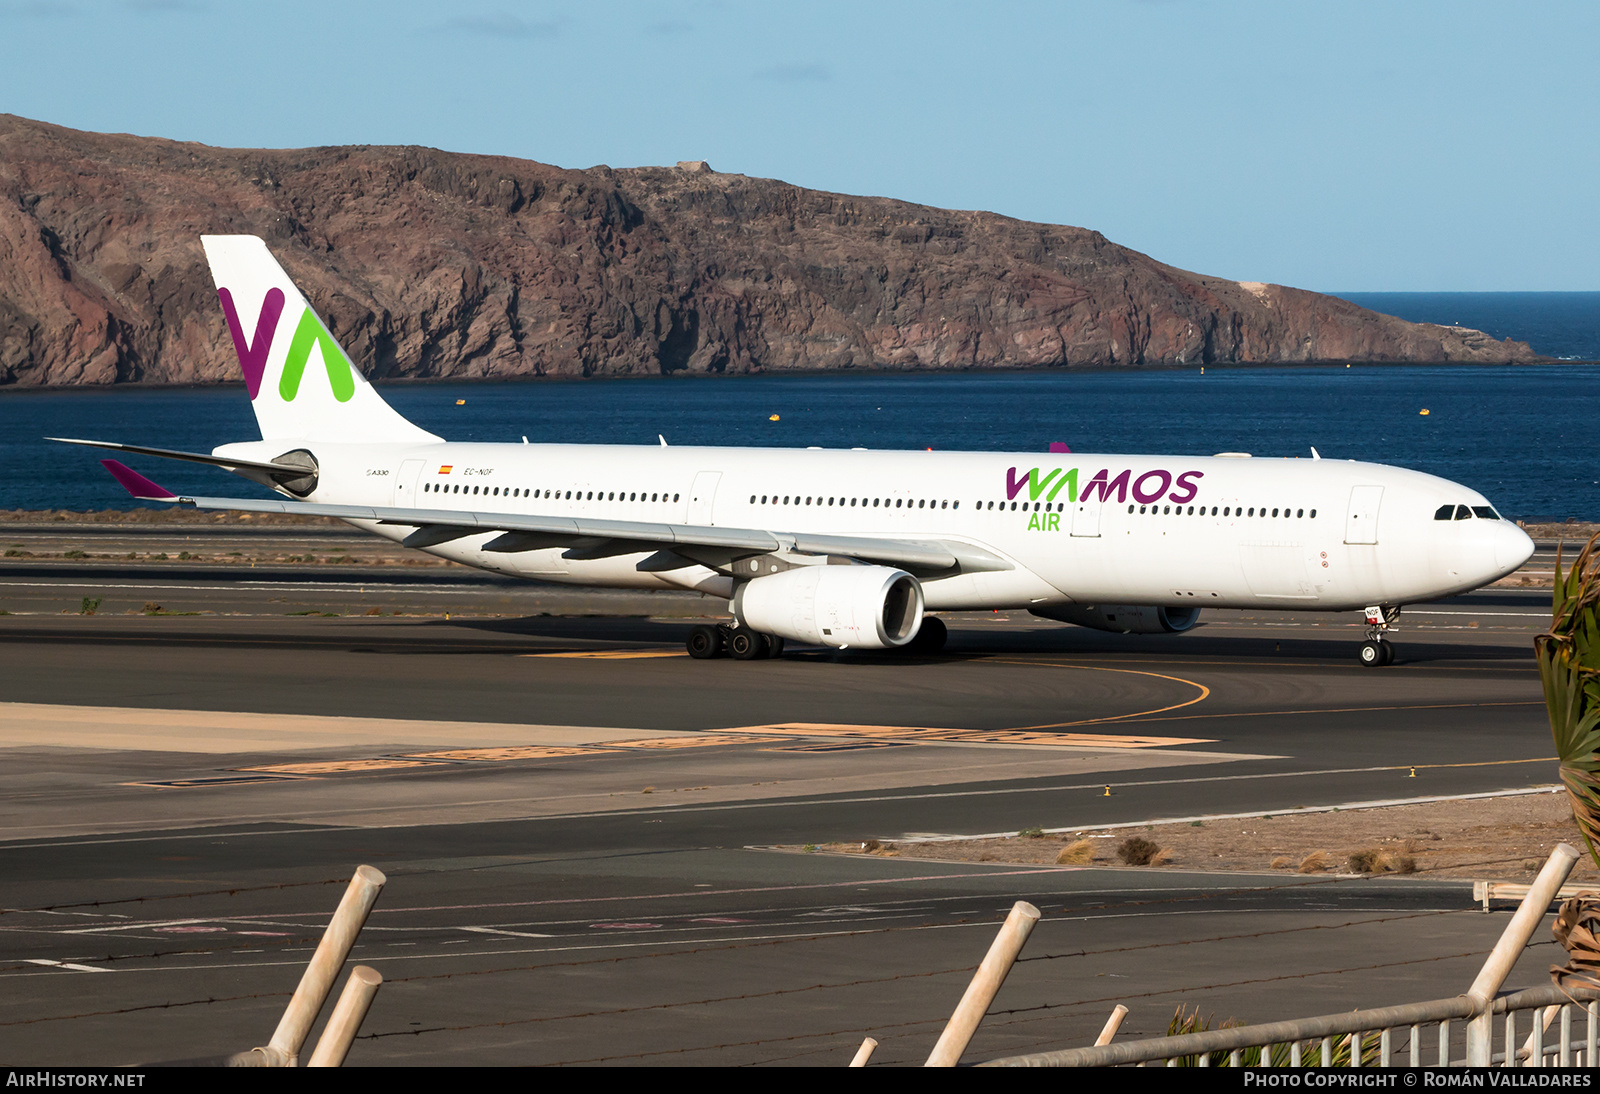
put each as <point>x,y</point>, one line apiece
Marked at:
<point>1512,547</point>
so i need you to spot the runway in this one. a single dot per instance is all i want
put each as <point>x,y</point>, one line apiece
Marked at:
<point>574,816</point>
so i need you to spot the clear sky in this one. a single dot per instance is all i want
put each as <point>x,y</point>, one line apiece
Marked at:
<point>1333,146</point>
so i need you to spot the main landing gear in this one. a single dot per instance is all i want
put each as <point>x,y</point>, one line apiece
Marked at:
<point>1376,651</point>
<point>739,643</point>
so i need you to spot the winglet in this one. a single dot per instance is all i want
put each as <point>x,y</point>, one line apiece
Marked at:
<point>136,484</point>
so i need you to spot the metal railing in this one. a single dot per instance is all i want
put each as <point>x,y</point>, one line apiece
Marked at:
<point>1389,1037</point>
<point>1411,1035</point>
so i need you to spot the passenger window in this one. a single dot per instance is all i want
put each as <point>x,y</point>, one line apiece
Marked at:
<point>1313,514</point>
<point>1299,513</point>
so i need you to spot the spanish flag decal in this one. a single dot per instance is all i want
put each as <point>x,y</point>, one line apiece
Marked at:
<point>444,468</point>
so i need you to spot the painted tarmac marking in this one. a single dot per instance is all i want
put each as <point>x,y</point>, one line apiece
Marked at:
<point>842,746</point>
<point>977,736</point>
<point>216,780</point>
<point>63,965</point>
<point>493,930</point>
<point>1358,710</point>
<point>1205,693</point>
<point>580,947</point>
<point>611,655</point>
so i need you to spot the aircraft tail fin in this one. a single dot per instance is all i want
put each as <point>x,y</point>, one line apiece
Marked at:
<point>300,380</point>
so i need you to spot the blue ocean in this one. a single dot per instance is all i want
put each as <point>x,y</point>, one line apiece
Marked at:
<point>1523,435</point>
<point>1564,325</point>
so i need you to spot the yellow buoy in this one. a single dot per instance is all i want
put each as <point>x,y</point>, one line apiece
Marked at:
<point>1423,411</point>
<point>461,402</point>
<point>773,418</point>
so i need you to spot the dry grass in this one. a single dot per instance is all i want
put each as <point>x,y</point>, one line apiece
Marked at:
<point>1077,853</point>
<point>1138,851</point>
<point>1314,863</point>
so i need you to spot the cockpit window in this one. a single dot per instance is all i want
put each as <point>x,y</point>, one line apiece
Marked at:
<point>1486,512</point>
<point>1445,512</point>
<point>1463,512</point>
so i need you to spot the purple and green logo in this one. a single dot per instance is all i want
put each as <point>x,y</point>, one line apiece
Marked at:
<point>1148,487</point>
<point>307,333</point>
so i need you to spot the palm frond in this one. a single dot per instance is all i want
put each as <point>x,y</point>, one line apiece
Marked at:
<point>1569,668</point>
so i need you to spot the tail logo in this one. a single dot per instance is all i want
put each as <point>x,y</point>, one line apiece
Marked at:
<point>253,356</point>
<point>309,332</point>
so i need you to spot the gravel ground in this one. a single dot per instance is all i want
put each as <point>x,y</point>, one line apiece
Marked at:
<point>1501,839</point>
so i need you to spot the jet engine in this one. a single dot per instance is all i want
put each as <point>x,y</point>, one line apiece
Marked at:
<point>1123,618</point>
<point>865,607</point>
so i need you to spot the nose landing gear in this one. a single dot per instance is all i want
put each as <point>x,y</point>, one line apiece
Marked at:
<point>1376,651</point>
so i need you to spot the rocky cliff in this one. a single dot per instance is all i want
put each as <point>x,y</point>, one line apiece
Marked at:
<point>435,264</point>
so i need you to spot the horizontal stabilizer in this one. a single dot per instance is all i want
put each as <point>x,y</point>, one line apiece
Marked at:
<point>173,454</point>
<point>136,484</point>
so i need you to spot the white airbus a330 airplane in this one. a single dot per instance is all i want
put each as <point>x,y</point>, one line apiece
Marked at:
<point>846,549</point>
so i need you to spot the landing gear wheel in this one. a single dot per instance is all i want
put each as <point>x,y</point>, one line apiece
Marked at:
<point>774,646</point>
<point>747,645</point>
<point>1375,653</point>
<point>1388,652</point>
<point>704,643</point>
<point>930,637</point>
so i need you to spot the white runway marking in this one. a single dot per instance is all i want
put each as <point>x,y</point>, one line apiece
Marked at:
<point>64,965</point>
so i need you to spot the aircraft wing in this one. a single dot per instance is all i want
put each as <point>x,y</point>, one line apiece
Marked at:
<point>587,537</point>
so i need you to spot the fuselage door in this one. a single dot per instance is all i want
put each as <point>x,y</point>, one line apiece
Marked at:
<point>1361,522</point>
<point>1086,517</point>
<point>405,484</point>
<point>701,495</point>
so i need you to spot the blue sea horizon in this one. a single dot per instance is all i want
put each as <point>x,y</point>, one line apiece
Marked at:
<point>1522,435</point>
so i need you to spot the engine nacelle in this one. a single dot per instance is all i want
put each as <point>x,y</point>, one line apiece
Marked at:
<point>866,607</point>
<point>1123,618</point>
